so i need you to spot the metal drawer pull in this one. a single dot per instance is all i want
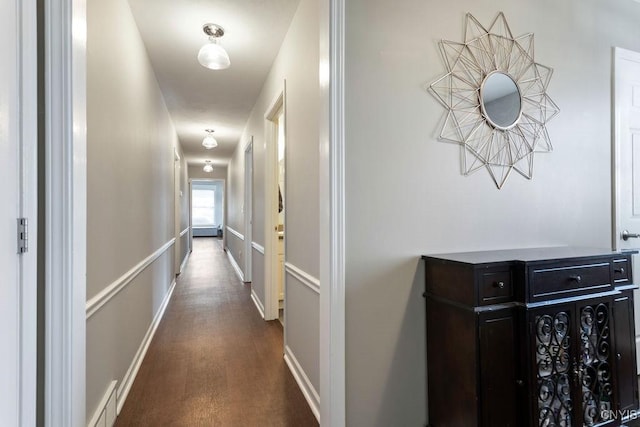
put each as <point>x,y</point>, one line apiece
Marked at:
<point>626,235</point>
<point>619,270</point>
<point>499,285</point>
<point>576,277</point>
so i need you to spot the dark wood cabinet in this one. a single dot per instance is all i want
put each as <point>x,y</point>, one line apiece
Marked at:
<point>536,337</point>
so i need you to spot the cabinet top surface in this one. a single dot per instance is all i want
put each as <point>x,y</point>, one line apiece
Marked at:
<point>526,255</point>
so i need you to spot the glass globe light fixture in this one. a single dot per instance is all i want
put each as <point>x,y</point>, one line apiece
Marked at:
<point>212,55</point>
<point>209,141</point>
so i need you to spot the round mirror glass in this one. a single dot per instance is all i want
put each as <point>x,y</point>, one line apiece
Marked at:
<point>500,100</point>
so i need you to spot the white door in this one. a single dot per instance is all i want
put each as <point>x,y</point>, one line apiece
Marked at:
<point>626,228</point>
<point>18,165</point>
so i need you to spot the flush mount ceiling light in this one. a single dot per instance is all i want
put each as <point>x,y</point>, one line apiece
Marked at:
<point>209,141</point>
<point>212,55</point>
<point>208,167</point>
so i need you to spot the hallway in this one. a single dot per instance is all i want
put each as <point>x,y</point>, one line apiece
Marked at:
<point>213,360</point>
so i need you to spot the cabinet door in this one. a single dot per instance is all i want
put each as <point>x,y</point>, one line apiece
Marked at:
<point>552,359</point>
<point>595,363</point>
<point>625,352</point>
<point>498,368</point>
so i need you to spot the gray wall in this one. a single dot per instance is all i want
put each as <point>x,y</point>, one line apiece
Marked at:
<point>405,195</point>
<point>130,191</point>
<point>235,206</point>
<point>297,63</point>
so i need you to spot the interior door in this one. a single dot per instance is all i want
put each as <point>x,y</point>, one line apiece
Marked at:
<point>626,161</point>
<point>18,286</point>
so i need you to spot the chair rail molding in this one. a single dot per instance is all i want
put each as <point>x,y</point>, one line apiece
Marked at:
<point>303,277</point>
<point>235,233</point>
<point>104,296</point>
<point>257,247</point>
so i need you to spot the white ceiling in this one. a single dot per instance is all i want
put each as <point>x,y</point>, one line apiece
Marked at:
<point>199,98</point>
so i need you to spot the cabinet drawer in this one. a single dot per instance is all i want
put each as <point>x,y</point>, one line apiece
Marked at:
<point>569,280</point>
<point>496,287</point>
<point>621,270</point>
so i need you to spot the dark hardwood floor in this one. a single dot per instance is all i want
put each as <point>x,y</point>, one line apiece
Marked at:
<point>213,360</point>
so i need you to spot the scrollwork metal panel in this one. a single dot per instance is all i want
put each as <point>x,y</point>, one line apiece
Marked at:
<point>553,333</point>
<point>594,363</point>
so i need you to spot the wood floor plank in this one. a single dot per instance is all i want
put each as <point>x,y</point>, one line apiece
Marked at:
<point>213,360</point>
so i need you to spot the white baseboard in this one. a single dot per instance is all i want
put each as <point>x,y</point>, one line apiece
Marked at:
<point>184,262</point>
<point>106,413</point>
<point>309,392</point>
<point>257,302</point>
<point>127,380</point>
<point>235,265</point>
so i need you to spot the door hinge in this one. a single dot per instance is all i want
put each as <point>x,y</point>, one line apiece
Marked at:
<point>23,235</point>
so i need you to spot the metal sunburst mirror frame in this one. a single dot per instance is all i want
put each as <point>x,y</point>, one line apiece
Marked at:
<point>499,148</point>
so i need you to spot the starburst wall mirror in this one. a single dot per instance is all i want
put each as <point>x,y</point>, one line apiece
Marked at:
<point>496,99</point>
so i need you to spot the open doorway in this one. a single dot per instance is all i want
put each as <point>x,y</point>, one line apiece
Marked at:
<point>275,211</point>
<point>280,171</point>
<point>207,208</point>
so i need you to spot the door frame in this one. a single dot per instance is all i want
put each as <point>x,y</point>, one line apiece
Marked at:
<point>331,127</point>
<point>248,210</point>
<point>24,134</point>
<point>65,49</point>
<point>65,231</point>
<point>271,294</point>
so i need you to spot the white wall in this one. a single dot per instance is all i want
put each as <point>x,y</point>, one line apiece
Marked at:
<point>297,63</point>
<point>130,200</point>
<point>406,196</point>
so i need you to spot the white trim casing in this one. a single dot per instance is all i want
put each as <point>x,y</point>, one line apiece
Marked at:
<point>308,391</point>
<point>257,247</point>
<point>28,146</point>
<point>130,376</point>
<point>257,302</point>
<point>66,207</point>
<point>235,265</point>
<point>185,231</point>
<point>303,277</point>
<point>271,291</point>
<point>332,217</point>
<point>235,233</point>
<point>104,296</point>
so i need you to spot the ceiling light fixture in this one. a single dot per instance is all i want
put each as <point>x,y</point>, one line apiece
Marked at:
<point>209,141</point>
<point>212,55</point>
<point>208,167</point>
